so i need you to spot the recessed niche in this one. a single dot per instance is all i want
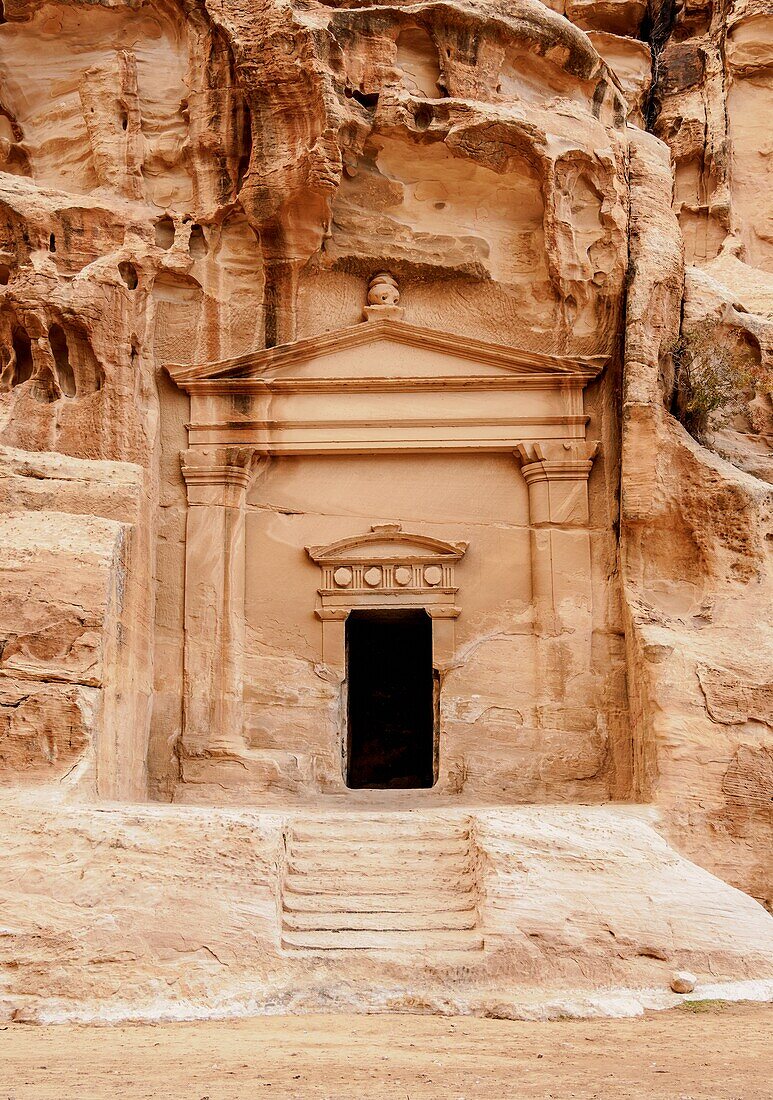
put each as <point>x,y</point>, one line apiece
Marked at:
<point>367,100</point>
<point>197,243</point>
<point>418,59</point>
<point>423,117</point>
<point>22,350</point>
<point>128,273</point>
<point>164,232</point>
<point>61,353</point>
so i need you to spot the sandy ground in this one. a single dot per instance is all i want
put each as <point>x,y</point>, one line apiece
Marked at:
<point>691,1053</point>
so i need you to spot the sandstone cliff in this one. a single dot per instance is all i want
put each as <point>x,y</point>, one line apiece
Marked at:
<point>186,181</point>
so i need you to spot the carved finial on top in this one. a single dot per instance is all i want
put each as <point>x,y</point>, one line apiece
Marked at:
<point>383,298</point>
<point>383,290</point>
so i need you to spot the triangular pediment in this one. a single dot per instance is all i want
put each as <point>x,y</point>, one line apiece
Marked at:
<point>383,351</point>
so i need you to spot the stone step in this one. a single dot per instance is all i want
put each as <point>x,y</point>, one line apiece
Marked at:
<point>386,863</point>
<point>389,828</point>
<point>380,883</point>
<point>423,902</point>
<point>379,921</point>
<point>355,882</point>
<point>371,940</point>
<point>407,847</point>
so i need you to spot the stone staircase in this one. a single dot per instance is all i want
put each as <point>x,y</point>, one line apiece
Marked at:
<point>380,882</point>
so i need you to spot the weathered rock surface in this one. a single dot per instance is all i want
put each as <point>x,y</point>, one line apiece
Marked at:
<point>67,574</point>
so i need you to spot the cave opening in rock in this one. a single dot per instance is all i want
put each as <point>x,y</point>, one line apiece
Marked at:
<point>368,100</point>
<point>391,709</point>
<point>164,232</point>
<point>61,353</point>
<point>128,273</point>
<point>22,349</point>
<point>417,57</point>
<point>197,243</point>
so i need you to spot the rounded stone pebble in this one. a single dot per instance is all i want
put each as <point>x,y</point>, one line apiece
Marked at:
<point>683,982</point>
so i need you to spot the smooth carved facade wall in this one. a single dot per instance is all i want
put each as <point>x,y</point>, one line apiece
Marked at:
<point>385,466</point>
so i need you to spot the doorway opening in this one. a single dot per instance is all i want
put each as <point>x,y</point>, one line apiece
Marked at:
<point>391,700</point>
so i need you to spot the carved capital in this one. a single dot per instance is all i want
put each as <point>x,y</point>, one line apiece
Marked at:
<point>556,460</point>
<point>332,614</point>
<point>556,473</point>
<point>219,476</point>
<point>443,611</point>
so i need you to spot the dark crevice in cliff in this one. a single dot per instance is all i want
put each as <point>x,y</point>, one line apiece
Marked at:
<point>656,30</point>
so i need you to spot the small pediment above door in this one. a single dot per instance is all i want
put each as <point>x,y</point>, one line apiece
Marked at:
<point>387,542</point>
<point>384,351</point>
<point>387,567</point>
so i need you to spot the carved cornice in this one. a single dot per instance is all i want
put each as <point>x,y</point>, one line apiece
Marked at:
<point>381,384</point>
<point>330,423</point>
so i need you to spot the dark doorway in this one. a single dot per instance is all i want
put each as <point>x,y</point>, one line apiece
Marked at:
<point>391,734</point>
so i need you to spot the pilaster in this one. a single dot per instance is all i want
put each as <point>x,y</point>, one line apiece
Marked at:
<point>556,474</point>
<point>217,483</point>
